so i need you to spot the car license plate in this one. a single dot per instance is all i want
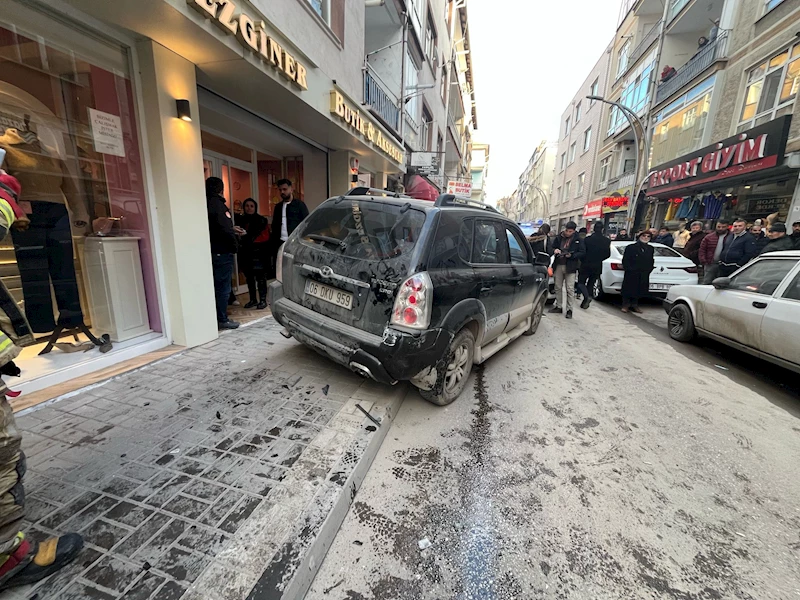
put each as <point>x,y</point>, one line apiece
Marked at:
<point>329,294</point>
<point>660,287</point>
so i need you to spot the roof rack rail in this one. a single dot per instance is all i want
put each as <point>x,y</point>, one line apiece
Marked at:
<point>456,200</point>
<point>366,191</point>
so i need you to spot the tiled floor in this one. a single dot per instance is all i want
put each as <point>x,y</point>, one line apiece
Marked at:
<point>161,467</point>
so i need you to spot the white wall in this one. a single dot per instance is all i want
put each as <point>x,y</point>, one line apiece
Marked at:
<point>176,164</point>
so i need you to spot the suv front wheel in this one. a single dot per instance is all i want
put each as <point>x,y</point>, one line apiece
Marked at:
<point>453,371</point>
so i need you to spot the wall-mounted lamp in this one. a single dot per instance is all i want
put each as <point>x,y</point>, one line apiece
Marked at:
<point>184,110</point>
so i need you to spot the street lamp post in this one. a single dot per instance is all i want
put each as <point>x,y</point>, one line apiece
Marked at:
<point>545,202</point>
<point>633,120</point>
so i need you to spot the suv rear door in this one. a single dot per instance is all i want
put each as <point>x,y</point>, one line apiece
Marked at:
<point>349,256</point>
<point>493,269</point>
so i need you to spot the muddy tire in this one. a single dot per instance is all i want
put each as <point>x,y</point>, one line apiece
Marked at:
<point>452,372</point>
<point>536,318</point>
<point>680,323</point>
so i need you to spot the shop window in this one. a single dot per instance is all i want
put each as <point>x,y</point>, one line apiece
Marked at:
<point>69,127</point>
<point>771,89</point>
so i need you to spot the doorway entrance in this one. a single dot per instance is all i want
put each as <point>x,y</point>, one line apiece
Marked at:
<point>249,173</point>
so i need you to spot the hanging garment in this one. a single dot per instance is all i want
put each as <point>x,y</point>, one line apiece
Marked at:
<point>672,209</point>
<point>714,205</point>
<point>686,207</point>
<point>44,255</point>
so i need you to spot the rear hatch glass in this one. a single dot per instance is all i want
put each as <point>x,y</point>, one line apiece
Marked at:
<point>350,257</point>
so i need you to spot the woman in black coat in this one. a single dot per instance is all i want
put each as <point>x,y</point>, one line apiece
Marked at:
<point>541,241</point>
<point>638,262</point>
<point>254,252</point>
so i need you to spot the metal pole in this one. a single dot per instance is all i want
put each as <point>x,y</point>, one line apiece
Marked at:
<point>403,82</point>
<point>633,120</point>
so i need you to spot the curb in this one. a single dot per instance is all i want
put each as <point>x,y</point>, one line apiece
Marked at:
<point>290,573</point>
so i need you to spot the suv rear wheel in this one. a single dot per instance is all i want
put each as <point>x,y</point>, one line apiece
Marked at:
<point>536,317</point>
<point>453,371</point>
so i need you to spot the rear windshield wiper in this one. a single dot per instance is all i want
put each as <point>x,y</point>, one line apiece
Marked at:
<point>325,238</point>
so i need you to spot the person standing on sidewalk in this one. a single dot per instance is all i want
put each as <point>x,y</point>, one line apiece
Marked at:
<point>254,253</point>
<point>22,560</point>
<point>738,249</point>
<point>711,249</point>
<point>541,241</point>
<point>597,248</point>
<point>288,214</point>
<point>692,248</point>
<point>638,262</point>
<point>568,250</point>
<point>224,244</point>
<point>796,233</point>
<point>665,237</point>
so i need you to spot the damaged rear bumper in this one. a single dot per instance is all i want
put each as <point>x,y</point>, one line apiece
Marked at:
<point>395,356</point>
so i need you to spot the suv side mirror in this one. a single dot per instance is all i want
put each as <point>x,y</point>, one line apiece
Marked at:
<point>722,283</point>
<point>542,259</point>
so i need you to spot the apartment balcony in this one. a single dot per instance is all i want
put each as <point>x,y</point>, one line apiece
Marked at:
<point>617,183</point>
<point>716,50</point>
<point>647,41</point>
<point>381,103</point>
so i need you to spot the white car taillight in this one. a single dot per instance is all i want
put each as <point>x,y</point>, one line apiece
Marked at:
<point>412,307</point>
<point>279,264</point>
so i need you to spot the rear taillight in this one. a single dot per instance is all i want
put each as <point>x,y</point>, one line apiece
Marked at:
<point>279,264</point>
<point>412,307</point>
<point>617,267</point>
<point>690,269</point>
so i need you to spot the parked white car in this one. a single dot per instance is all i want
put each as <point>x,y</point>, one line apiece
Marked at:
<point>756,310</point>
<point>672,268</point>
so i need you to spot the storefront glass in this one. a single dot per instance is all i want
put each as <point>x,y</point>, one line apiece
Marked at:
<point>69,129</point>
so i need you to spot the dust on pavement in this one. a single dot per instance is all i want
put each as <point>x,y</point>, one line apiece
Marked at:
<point>590,461</point>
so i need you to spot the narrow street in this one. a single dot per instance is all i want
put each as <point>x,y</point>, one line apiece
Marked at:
<point>598,459</point>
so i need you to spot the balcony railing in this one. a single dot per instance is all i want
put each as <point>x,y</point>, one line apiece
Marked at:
<point>716,49</point>
<point>380,103</point>
<point>647,41</point>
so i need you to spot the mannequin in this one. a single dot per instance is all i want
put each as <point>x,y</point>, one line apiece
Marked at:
<point>44,251</point>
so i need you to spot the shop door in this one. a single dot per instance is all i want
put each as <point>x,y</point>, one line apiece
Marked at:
<point>240,183</point>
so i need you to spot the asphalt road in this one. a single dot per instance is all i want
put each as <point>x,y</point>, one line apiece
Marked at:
<point>596,460</point>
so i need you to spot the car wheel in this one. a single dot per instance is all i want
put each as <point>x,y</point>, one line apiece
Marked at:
<point>681,323</point>
<point>536,317</point>
<point>453,371</point>
<point>597,289</point>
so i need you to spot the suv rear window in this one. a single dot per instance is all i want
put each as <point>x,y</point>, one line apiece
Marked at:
<point>363,229</point>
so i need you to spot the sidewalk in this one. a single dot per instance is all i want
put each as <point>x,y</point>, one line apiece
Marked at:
<point>220,473</point>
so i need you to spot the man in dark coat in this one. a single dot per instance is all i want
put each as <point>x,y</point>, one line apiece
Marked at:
<point>224,245</point>
<point>737,249</point>
<point>778,240</point>
<point>665,237</point>
<point>692,248</point>
<point>623,236</point>
<point>638,262</point>
<point>597,248</point>
<point>288,214</point>
<point>541,241</point>
<point>757,231</point>
<point>568,250</point>
<point>796,233</point>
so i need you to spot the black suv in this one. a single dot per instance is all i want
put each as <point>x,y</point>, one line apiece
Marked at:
<point>402,289</point>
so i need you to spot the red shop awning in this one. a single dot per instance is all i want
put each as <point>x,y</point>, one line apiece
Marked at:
<point>422,189</point>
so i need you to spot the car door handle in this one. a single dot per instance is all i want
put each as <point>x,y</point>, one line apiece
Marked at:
<point>487,289</point>
<point>758,304</point>
<point>517,280</point>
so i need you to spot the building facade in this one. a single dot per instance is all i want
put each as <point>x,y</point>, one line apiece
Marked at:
<point>480,171</point>
<point>535,184</point>
<point>580,137</point>
<point>113,114</point>
<point>417,55</point>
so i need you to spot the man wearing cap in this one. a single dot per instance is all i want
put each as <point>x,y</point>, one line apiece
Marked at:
<point>778,240</point>
<point>568,251</point>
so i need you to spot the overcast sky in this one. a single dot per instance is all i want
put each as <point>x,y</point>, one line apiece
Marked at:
<point>530,58</point>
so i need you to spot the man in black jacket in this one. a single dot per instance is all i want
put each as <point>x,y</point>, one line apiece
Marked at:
<point>568,250</point>
<point>224,244</point>
<point>597,248</point>
<point>288,214</point>
<point>778,240</point>
<point>737,249</point>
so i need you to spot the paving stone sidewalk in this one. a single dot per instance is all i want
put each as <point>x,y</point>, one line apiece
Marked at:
<point>194,477</point>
